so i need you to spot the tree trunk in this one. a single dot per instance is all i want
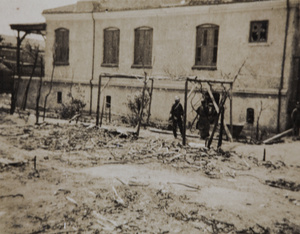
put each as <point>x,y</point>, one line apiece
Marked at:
<point>29,81</point>
<point>50,89</point>
<point>142,107</point>
<point>39,94</point>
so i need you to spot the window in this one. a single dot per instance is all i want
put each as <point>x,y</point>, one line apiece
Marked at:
<point>250,115</point>
<point>258,31</point>
<point>59,97</point>
<point>111,47</point>
<point>108,101</point>
<point>143,47</point>
<point>207,37</point>
<point>61,46</point>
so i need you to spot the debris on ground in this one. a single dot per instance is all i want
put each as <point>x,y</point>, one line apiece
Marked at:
<point>283,184</point>
<point>43,187</point>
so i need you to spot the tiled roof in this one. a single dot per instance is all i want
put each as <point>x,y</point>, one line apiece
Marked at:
<point>123,5</point>
<point>64,9</point>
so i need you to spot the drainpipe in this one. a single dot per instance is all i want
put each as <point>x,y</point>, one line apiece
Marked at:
<point>93,60</point>
<point>283,64</point>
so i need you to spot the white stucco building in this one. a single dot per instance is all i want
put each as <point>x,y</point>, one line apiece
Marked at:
<point>174,38</point>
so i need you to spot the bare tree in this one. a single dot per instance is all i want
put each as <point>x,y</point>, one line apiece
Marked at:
<point>51,80</point>
<point>39,92</point>
<point>33,53</point>
<point>262,108</point>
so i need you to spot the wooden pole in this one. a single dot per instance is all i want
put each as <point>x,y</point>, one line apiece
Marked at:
<point>150,102</point>
<point>102,111</point>
<point>98,101</point>
<point>184,113</point>
<point>216,122</point>
<point>231,126</point>
<point>278,136</point>
<point>34,161</point>
<point>209,90</point>
<point>213,131</point>
<point>16,85</point>
<point>109,114</point>
<point>221,127</point>
<point>39,93</point>
<point>142,106</point>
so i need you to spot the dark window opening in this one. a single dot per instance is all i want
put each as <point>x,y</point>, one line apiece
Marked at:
<point>108,101</point>
<point>111,47</point>
<point>250,116</point>
<point>143,37</point>
<point>207,37</point>
<point>59,97</point>
<point>259,31</point>
<point>61,56</point>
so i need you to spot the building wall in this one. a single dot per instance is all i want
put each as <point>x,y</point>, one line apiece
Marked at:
<point>163,98</point>
<point>80,47</point>
<point>173,54</point>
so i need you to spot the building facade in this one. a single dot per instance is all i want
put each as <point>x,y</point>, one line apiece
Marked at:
<point>254,42</point>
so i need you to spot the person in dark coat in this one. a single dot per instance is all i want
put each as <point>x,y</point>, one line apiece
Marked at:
<point>296,120</point>
<point>176,114</point>
<point>203,123</point>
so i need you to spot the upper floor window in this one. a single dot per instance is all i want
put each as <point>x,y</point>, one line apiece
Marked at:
<point>207,37</point>
<point>61,46</point>
<point>111,47</point>
<point>258,31</point>
<point>143,47</point>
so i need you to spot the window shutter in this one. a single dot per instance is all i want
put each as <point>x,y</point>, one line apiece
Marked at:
<point>210,46</point>
<point>148,47</point>
<point>115,46</point>
<point>65,46</point>
<point>136,46</point>
<point>207,37</point>
<point>62,45</point>
<point>105,47</point>
<point>111,46</point>
<point>143,46</point>
<point>215,48</point>
<point>199,38</point>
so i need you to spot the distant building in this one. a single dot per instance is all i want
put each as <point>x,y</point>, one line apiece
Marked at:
<point>8,52</point>
<point>173,38</point>
<point>6,81</point>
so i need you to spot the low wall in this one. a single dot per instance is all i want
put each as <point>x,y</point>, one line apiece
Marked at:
<point>163,97</point>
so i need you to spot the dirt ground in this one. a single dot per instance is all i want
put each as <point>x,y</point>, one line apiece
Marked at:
<point>61,177</point>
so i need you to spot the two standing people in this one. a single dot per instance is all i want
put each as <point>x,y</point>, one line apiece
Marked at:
<point>203,123</point>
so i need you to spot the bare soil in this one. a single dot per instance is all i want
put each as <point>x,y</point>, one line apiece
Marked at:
<point>91,180</point>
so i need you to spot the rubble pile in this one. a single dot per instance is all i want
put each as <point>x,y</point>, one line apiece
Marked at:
<point>81,145</point>
<point>57,198</point>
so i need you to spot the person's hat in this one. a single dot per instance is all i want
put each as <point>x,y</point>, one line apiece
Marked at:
<point>177,98</point>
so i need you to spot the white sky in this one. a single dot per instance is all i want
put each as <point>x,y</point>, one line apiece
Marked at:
<point>25,11</point>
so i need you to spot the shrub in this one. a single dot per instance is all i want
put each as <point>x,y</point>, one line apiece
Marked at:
<point>74,105</point>
<point>135,104</point>
<point>68,110</point>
